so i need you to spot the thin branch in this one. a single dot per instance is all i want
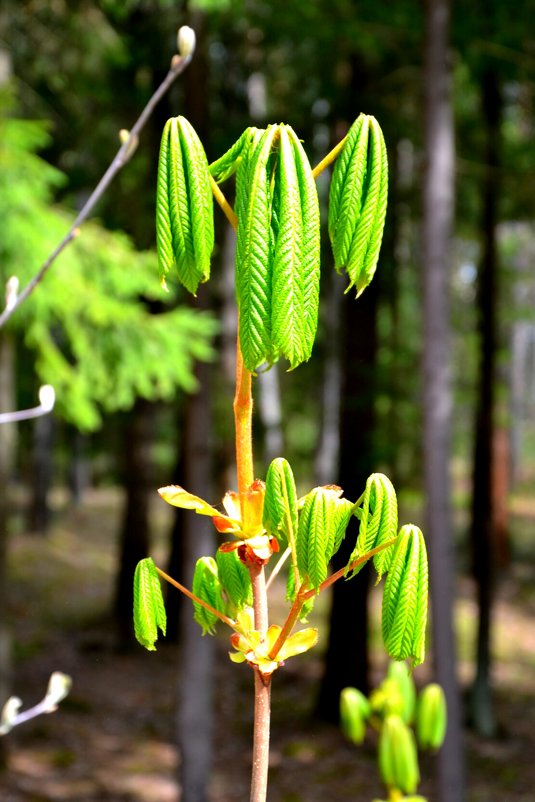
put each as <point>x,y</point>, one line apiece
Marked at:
<point>46,405</point>
<point>282,559</point>
<point>178,65</point>
<point>222,617</point>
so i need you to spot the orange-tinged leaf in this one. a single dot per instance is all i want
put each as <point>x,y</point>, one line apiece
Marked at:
<point>178,497</point>
<point>298,643</point>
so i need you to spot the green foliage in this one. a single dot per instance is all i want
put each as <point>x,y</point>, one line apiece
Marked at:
<point>206,586</point>
<point>404,614</point>
<point>149,609</point>
<point>398,758</point>
<point>355,711</point>
<point>431,717</point>
<point>377,511</point>
<point>234,579</point>
<point>322,524</point>
<point>390,710</point>
<point>93,325</point>
<point>357,202</point>
<point>280,501</point>
<point>277,252</point>
<point>184,206</point>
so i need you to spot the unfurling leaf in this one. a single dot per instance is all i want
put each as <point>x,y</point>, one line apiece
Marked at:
<point>149,609</point>
<point>235,579</point>
<point>358,200</point>
<point>404,614</point>
<point>277,252</point>
<point>280,501</point>
<point>178,497</point>
<point>322,523</point>
<point>184,206</point>
<point>378,514</point>
<point>206,586</point>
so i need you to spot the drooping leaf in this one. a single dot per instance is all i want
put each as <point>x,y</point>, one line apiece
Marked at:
<point>234,578</point>
<point>378,515</point>
<point>357,202</point>
<point>149,609</point>
<point>404,613</point>
<point>184,207</point>
<point>320,522</point>
<point>227,164</point>
<point>206,586</point>
<point>310,245</point>
<point>280,501</point>
<point>253,257</point>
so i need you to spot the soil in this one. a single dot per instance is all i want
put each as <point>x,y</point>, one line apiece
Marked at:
<point>112,739</point>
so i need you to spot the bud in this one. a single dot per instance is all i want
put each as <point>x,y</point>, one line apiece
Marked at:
<point>47,397</point>
<point>186,41</point>
<point>12,291</point>
<point>280,502</point>
<point>431,717</point>
<point>400,673</point>
<point>133,141</point>
<point>398,760</point>
<point>354,713</point>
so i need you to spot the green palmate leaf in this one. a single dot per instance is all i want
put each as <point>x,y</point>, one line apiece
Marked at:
<point>358,200</point>
<point>322,523</point>
<point>235,579</point>
<point>287,302</point>
<point>378,514</point>
<point>206,586</point>
<point>253,258</point>
<point>277,254</point>
<point>184,205</point>
<point>404,614</point>
<point>280,502</point>
<point>228,163</point>
<point>149,610</point>
<point>310,244</point>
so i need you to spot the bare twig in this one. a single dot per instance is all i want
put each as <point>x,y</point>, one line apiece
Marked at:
<point>47,399</point>
<point>178,65</point>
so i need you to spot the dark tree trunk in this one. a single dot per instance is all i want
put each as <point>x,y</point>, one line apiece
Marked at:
<point>483,530</point>
<point>347,660</point>
<point>438,205</point>
<point>134,540</point>
<point>195,704</point>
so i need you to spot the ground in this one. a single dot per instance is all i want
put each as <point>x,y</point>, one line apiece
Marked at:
<point>112,739</point>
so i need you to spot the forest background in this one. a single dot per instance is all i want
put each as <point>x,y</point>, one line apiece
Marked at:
<point>123,356</point>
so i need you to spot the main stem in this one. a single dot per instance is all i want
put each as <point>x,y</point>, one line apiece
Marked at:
<point>243,416</point>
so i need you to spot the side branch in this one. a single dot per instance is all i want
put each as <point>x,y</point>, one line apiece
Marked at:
<point>222,617</point>
<point>178,65</point>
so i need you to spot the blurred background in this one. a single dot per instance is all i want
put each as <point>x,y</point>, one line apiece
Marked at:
<point>144,382</point>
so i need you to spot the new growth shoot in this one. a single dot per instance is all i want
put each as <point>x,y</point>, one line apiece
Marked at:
<point>266,528</point>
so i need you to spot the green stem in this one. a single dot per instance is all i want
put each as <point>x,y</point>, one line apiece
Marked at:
<point>329,158</point>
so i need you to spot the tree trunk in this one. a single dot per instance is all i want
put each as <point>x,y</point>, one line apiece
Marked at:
<point>438,205</point>
<point>195,706</point>
<point>134,540</point>
<point>483,529</point>
<point>347,660</point>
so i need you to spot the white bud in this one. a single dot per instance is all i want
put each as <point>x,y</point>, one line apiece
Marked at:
<point>12,290</point>
<point>186,41</point>
<point>47,397</point>
<point>9,714</point>
<point>59,686</point>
